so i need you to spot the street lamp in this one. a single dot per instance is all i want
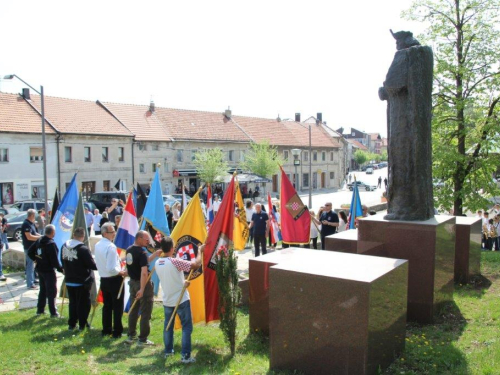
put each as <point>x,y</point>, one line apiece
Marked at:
<point>296,162</point>
<point>44,150</point>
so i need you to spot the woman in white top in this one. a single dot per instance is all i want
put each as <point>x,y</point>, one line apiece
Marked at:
<point>176,213</point>
<point>342,221</point>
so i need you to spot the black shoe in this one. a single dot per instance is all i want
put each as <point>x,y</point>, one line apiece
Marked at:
<point>71,328</point>
<point>118,336</point>
<point>56,315</point>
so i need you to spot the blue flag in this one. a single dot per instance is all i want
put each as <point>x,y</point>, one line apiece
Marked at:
<point>356,210</point>
<point>65,215</point>
<point>154,212</point>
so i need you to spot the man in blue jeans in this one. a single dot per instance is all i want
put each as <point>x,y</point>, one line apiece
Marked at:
<point>29,235</point>
<point>171,271</point>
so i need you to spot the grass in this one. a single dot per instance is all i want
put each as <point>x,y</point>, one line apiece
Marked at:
<point>465,340</point>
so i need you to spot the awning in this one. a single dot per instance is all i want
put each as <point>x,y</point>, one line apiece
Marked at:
<point>184,172</point>
<point>247,177</point>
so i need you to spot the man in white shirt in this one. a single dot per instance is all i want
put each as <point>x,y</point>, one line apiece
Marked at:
<point>216,204</point>
<point>89,219</point>
<point>171,271</point>
<point>109,268</point>
<point>97,222</point>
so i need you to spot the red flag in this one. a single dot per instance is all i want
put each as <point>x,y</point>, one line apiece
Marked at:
<point>295,217</point>
<point>220,238</point>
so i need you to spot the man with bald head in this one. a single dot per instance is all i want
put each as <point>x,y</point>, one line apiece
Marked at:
<point>141,288</point>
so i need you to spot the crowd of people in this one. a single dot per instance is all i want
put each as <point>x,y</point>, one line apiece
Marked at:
<point>490,228</point>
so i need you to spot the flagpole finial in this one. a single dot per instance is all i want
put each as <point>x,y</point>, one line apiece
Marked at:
<point>158,165</point>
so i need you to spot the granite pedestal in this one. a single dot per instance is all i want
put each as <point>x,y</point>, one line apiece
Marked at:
<point>430,248</point>
<point>347,242</point>
<point>258,269</point>
<point>467,248</point>
<point>337,313</point>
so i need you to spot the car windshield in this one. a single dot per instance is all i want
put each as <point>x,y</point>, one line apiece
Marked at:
<point>15,217</point>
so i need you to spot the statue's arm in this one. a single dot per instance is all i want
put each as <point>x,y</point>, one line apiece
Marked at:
<point>397,77</point>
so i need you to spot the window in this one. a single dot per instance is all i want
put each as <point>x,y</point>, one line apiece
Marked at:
<point>180,157</point>
<point>242,155</point>
<point>230,155</point>
<point>106,185</point>
<point>4,155</point>
<point>285,155</point>
<point>305,180</point>
<point>36,154</point>
<point>332,175</point>
<point>142,147</point>
<point>305,156</point>
<point>153,167</point>
<point>141,168</point>
<point>165,167</point>
<point>315,156</point>
<point>331,156</point>
<point>193,155</point>
<point>105,154</point>
<point>323,156</point>
<point>67,154</point>
<point>86,154</point>
<point>121,153</point>
<point>155,147</point>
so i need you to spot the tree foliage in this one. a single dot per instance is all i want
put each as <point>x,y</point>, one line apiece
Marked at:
<point>360,157</point>
<point>229,295</point>
<point>210,165</point>
<point>465,97</point>
<point>384,156</point>
<point>262,159</point>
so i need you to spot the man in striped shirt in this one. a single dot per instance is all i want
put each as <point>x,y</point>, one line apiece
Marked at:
<point>171,271</point>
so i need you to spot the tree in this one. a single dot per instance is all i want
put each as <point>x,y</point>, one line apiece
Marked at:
<point>465,99</point>
<point>385,157</point>
<point>262,159</point>
<point>229,295</point>
<point>210,164</point>
<point>360,157</point>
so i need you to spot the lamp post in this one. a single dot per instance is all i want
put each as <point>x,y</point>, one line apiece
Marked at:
<point>44,149</point>
<point>296,162</point>
<point>310,168</point>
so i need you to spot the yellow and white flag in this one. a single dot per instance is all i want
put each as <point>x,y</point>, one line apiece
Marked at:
<point>240,228</point>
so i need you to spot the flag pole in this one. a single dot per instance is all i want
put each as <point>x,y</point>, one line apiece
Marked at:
<point>137,299</point>
<point>355,189</point>
<point>95,306</point>
<point>63,285</point>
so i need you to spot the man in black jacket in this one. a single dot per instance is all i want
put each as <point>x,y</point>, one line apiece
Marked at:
<point>44,253</point>
<point>78,265</point>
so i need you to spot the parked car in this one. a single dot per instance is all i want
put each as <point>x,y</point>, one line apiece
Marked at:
<point>170,200</point>
<point>375,166</point>
<point>363,168</point>
<point>179,197</point>
<point>369,170</point>
<point>102,200</point>
<point>362,185</point>
<point>8,210</point>
<point>32,203</point>
<point>14,223</point>
<point>384,164</point>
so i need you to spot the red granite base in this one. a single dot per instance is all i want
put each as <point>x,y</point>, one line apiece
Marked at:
<point>467,248</point>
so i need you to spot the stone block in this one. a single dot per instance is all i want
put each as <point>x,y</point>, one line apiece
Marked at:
<point>467,248</point>
<point>258,269</point>
<point>244,286</point>
<point>14,258</point>
<point>337,313</point>
<point>429,246</point>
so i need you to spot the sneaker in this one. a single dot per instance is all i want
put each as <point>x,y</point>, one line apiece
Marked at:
<point>3,278</point>
<point>169,354</point>
<point>130,340</point>
<point>33,287</point>
<point>71,328</point>
<point>56,315</point>
<point>147,342</point>
<point>36,281</point>
<point>40,313</point>
<point>188,359</point>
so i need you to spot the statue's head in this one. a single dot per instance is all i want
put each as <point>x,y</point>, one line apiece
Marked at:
<point>404,39</point>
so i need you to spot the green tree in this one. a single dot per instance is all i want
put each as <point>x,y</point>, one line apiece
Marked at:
<point>262,159</point>
<point>210,165</point>
<point>385,157</point>
<point>465,122</point>
<point>229,295</point>
<point>360,157</point>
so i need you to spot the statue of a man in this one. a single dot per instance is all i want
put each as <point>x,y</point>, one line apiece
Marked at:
<point>408,91</point>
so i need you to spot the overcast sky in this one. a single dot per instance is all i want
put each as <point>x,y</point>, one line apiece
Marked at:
<point>261,58</point>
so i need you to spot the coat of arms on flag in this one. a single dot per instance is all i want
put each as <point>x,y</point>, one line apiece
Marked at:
<point>187,249</point>
<point>295,207</point>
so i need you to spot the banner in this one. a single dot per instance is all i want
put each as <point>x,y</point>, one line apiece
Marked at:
<point>241,231</point>
<point>295,218</point>
<point>65,215</point>
<point>356,210</point>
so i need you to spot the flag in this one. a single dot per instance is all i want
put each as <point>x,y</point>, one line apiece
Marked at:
<point>55,206</point>
<point>210,206</point>
<point>240,231</point>
<point>189,232</point>
<point>141,201</point>
<point>295,218</point>
<point>274,230</point>
<point>356,210</point>
<point>117,185</point>
<point>219,239</point>
<point>65,215</point>
<point>125,235</point>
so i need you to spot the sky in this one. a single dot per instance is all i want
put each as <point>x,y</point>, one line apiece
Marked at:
<point>259,58</point>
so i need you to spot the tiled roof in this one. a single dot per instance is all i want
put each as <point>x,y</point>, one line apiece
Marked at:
<point>74,116</point>
<point>140,121</point>
<point>17,116</point>
<point>198,125</point>
<point>374,136</point>
<point>357,144</point>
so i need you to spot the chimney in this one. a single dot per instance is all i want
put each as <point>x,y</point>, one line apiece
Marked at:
<point>227,112</point>
<point>319,118</point>
<point>26,93</point>
<point>151,106</point>
<point>297,117</point>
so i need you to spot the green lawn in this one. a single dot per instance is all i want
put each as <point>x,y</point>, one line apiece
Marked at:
<point>466,340</point>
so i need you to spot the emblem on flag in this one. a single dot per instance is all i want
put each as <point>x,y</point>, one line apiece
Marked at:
<point>295,207</point>
<point>187,249</point>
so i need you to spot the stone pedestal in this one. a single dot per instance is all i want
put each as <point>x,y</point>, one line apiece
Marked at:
<point>337,313</point>
<point>430,248</point>
<point>467,248</point>
<point>258,269</point>
<point>347,242</point>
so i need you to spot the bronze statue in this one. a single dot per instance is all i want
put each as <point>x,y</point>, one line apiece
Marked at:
<point>408,91</point>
